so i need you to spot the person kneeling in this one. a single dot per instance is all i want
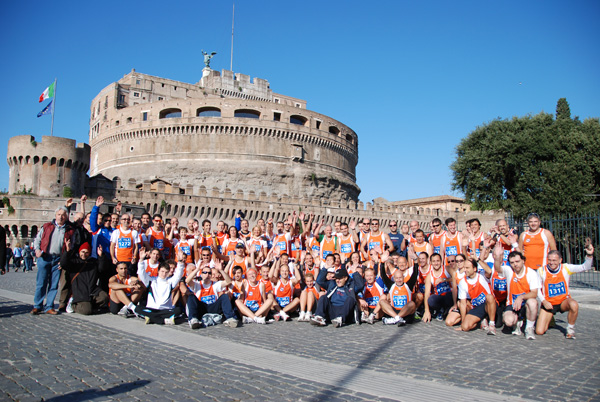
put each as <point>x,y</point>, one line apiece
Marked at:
<point>253,303</point>
<point>399,304</point>
<point>340,300</point>
<point>124,292</point>
<point>475,287</point>
<point>207,300</point>
<point>159,308</point>
<point>88,297</point>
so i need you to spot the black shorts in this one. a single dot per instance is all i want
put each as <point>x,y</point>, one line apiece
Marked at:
<point>521,313</point>
<point>555,309</point>
<point>115,307</point>
<point>478,311</point>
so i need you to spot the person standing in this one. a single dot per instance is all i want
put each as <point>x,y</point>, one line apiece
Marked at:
<point>48,245</point>
<point>2,250</point>
<point>27,257</point>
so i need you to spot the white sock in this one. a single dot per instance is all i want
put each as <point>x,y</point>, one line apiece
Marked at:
<point>131,306</point>
<point>570,326</point>
<point>492,324</point>
<point>530,324</point>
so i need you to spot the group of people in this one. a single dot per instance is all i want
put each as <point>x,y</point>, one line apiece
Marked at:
<point>18,255</point>
<point>341,274</point>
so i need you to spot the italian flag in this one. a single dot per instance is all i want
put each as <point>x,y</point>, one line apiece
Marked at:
<point>48,93</point>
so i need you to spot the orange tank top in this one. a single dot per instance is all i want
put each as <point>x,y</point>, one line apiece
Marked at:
<point>535,248</point>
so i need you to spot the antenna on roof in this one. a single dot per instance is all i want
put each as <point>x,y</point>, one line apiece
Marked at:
<point>232,20</point>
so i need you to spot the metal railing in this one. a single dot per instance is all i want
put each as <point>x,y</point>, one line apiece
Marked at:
<point>570,232</point>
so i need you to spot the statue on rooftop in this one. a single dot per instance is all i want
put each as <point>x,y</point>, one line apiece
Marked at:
<point>207,58</point>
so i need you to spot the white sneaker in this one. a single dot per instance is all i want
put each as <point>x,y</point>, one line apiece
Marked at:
<point>364,317</point>
<point>370,319</point>
<point>391,320</point>
<point>337,322</point>
<point>122,312</point>
<point>231,322</point>
<point>317,320</point>
<point>308,316</point>
<point>484,324</point>
<point>401,322</point>
<point>517,330</point>
<point>69,308</point>
<point>284,316</point>
<point>529,333</point>
<point>302,316</point>
<point>247,320</point>
<point>260,320</point>
<point>170,321</point>
<point>570,333</point>
<point>194,323</point>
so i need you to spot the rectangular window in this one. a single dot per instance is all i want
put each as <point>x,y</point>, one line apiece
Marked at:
<point>276,116</point>
<point>318,124</point>
<point>276,100</point>
<point>138,82</point>
<point>121,98</point>
<point>145,116</point>
<point>160,98</point>
<point>136,94</point>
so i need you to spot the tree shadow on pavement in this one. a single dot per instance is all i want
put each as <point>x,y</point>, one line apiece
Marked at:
<point>94,393</point>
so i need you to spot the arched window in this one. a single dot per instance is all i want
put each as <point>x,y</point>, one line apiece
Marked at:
<point>169,113</point>
<point>247,113</point>
<point>208,112</point>
<point>299,120</point>
<point>334,130</point>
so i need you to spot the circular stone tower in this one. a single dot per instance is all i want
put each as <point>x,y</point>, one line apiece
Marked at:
<point>45,168</point>
<point>224,132</point>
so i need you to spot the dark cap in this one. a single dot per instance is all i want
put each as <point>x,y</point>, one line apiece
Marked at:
<point>239,245</point>
<point>341,273</point>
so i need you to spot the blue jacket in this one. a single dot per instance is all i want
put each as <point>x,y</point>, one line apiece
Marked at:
<point>103,236</point>
<point>354,282</point>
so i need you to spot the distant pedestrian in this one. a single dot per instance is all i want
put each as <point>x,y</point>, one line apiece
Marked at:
<point>9,255</point>
<point>2,250</point>
<point>27,258</point>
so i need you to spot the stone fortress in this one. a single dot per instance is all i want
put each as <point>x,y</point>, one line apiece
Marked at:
<point>204,151</point>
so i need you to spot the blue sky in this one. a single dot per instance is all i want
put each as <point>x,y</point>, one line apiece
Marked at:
<point>411,78</point>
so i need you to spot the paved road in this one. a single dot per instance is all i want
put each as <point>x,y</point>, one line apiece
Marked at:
<point>110,358</point>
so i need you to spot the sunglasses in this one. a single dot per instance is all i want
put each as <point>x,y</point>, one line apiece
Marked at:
<point>461,260</point>
<point>436,226</point>
<point>206,272</point>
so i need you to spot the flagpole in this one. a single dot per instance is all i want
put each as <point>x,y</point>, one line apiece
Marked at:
<point>53,107</point>
<point>232,20</point>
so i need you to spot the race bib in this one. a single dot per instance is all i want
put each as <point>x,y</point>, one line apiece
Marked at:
<point>372,301</point>
<point>374,244</point>
<point>557,289</point>
<point>500,285</point>
<point>346,248</point>
<point>436,249</point>
<point>451,250</point>
<point>208,299</point>
<point>124,242</point>
<point>442,288</point>
<point>158,243</point>
<point>479,300</point>
<point>283,301</point>
<point>399,301</point>
<point>252,305</point>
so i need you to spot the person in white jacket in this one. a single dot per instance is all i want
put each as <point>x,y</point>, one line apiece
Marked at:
<point>159,308</point>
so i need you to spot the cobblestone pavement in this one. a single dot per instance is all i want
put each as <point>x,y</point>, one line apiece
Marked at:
<point>68,357</point>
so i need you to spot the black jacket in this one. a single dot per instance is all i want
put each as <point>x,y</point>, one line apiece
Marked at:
<point>83,274</point>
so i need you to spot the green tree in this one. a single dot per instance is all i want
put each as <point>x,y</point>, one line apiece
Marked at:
<point>67,192</point>
<point>563,111</point>
<point>532,163</point>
